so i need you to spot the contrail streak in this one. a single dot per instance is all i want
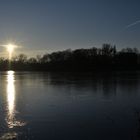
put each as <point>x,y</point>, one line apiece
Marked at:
<point>133,24</point>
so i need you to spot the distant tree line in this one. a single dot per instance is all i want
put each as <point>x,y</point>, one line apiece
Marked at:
<point>105,58</point>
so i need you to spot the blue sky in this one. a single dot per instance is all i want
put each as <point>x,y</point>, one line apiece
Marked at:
<point>42,26</point>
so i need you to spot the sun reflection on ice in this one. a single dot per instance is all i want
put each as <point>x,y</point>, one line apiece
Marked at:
<point>11,95</point>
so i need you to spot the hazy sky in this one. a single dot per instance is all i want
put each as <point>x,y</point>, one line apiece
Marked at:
<point>41,26</point>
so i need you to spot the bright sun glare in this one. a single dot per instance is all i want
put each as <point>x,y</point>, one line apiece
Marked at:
<point>10,49</point>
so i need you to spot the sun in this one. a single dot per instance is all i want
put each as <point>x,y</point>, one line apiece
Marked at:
<point>10,48</point>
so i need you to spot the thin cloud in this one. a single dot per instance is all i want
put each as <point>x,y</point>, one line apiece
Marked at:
<point>133,24</point>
